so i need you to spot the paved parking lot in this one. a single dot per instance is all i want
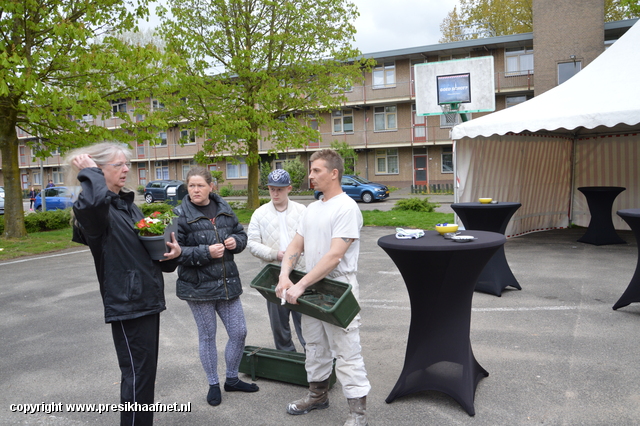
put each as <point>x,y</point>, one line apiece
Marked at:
<point>556,352</point>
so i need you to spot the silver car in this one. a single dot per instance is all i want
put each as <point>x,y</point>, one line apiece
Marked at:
<point>1,200</point>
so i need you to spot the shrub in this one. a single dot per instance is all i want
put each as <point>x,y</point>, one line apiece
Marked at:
<point>48,221</point>
<point>140,189</point>
<point>416,204</point>
<point>226,191</point>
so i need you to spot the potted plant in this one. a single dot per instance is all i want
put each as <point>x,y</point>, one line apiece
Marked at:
<point>154,231</point>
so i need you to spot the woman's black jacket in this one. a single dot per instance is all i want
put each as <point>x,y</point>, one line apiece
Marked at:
<point>201,278</point>
<point>131,284</point>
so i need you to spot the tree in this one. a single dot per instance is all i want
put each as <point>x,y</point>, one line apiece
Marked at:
<point>60,60</point>
<point>348,155</point>
<point>297,171</point>
<point>258,67</point>
<point>491,18</point>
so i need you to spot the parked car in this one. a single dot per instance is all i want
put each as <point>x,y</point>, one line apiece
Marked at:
<point>164,190</point>
<point>57,197</point>
<point>1,200</point>
<point>360,188</point>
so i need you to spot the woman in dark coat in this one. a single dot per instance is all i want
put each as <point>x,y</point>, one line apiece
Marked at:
<point>209,235</point>
<point>131,284</point>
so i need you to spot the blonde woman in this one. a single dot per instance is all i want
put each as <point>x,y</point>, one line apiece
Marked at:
<point>131,284</point>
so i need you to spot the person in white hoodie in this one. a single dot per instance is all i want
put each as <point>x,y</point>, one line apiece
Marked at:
<point>271,229</point>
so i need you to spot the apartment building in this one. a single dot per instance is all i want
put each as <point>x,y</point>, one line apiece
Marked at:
<point>393,145</point>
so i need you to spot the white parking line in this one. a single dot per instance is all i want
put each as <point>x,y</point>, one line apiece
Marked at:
<point>43,257</point>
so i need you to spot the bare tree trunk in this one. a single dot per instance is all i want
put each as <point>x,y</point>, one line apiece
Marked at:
<point>13,208</point>
<point>253,200</point>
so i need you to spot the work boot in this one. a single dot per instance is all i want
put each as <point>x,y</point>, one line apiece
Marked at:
<point>357,412</point>
<point>318,397</point>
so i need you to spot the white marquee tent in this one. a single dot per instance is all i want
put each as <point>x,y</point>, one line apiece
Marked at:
<point>585,132</point>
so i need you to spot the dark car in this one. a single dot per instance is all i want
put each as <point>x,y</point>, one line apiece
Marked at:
<point>360,188</point>
<point>164,190</point>
<point>57,197</point>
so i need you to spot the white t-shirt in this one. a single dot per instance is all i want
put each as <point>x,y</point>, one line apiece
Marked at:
<point>338,217</point>
<point>284,234</point>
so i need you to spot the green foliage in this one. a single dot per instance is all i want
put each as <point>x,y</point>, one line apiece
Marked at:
<point>415,204</point>
<point>217,176</point>
<point>271,59</point>
<point>155,223</point>
<point>61,61</point>
<point>348,154</point>
<point>226,191</point>
<point>140,189</point>
<point>491,18</point>
<point>405,219</point>
<point>297,171</point>
<point>265,169</point>
<point>48,220</point>
<point>149,209</point>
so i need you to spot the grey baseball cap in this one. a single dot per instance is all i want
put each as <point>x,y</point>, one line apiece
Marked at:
<point>279,177</point>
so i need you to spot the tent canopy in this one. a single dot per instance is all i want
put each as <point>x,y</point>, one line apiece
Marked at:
<point>605,93</point>
<point>585,132</point>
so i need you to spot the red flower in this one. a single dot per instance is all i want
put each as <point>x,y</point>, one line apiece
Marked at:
<point>155,214</point>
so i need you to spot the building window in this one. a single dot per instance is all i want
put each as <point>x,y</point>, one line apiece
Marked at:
<point>387,161</point>
<point>119,105</point>
<point>385,118</point>
<point>515,100</point>
<point>187,137</point>
<point>237,171</point>
<point>163,139</point>
<point>57,175</point>
<point>279,163</point>
<point>566,70</point>
<point>447,159</point>
<point>342,121</point>
<point>36,178</point>
<point>186,166</point>
<point>384,75</point>
<point>419,124</point>
<point>157,105</point>
<point>519,60</point>
<point>142,176</point>
<point>162,170</point>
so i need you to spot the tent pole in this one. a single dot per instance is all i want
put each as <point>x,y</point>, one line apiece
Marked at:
<point>573,177</point>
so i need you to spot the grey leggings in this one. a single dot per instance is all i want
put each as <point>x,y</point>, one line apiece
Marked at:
<point>232,316</point>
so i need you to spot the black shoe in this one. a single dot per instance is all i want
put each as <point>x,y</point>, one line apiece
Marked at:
<point>240,386</point>
<point>214,397</point>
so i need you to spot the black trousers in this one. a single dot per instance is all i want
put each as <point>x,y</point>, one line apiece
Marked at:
<point>136,343</point>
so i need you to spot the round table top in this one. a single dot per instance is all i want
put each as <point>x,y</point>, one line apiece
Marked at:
<point>433,241</point>
<point>629,212</point>
<point>601,188</point>
<point>475,204</point>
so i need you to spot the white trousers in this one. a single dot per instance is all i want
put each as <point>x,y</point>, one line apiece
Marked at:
<point>327,341</point>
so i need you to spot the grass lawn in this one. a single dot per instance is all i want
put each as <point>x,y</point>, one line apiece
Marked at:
<point>44,242</point>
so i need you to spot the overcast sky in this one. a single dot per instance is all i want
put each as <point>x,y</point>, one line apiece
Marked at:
<point>387,25</point>
<point>393,24</point>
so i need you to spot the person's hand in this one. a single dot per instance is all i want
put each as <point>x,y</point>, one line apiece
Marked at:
<point>216,250</point>
<point>293,293</point>
<point>83,161</point>
<point>280,256</point>
<point>175,248</point>
<point>283,283</point>
<point>230,243</point>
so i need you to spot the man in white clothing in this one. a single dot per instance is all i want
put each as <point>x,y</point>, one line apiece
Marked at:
<point>270,231</point>
<point>329,237</point>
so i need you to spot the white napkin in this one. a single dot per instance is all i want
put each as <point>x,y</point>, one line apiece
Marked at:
<point>408,234</point>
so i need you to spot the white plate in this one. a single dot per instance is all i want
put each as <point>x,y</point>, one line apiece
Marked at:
<point>463,238</point>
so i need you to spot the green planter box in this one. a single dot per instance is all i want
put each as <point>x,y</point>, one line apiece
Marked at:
<point>273,364</point>
<point>327,300</point>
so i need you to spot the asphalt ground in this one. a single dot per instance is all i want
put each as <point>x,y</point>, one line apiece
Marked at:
<point>556,352</point>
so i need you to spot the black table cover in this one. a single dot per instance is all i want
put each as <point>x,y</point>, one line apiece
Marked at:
<point>440,276</point>
<point>600,200</point>
<point>496,275</point>
<point>632,293</point>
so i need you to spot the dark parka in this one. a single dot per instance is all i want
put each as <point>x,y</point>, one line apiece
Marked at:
<point>131,284</point>
<point>201,278</point>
